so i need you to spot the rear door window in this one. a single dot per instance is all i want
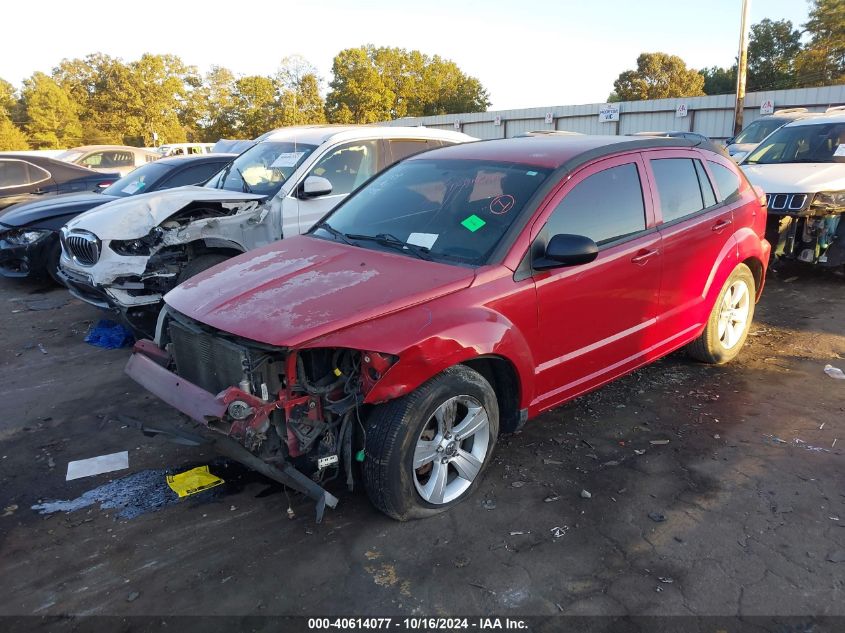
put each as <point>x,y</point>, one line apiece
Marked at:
<point>605,206</point>
<point>727,181</point>
<point>677,187</point>
<point>348,166</point>
<point>17,173</point>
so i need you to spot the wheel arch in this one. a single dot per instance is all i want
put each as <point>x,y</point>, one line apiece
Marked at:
<point>504,378</point>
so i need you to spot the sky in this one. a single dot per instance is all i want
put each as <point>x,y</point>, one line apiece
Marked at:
<point>527,54</point>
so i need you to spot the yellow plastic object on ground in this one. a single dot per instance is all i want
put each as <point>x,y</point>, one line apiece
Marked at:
<point>193,481</point>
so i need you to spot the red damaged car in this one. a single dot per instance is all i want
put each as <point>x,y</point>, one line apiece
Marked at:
<point>456,295</point>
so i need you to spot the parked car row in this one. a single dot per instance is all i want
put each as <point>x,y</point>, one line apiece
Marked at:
<point>375,305</point>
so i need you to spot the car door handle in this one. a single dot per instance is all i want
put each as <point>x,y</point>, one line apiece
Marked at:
<point>721,225</point>
<point>643,256</point>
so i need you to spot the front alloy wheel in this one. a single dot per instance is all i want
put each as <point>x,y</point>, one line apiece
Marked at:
<point>425,452</point>
<point>451,449</point>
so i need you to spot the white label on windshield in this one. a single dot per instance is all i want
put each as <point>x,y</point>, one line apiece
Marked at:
<point>133,187</point>
<point>425,240</point>
<point>840,150</point>
<point>288,159</point>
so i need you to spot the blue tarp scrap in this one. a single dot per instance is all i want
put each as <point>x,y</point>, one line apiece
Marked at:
<point>109,335</point>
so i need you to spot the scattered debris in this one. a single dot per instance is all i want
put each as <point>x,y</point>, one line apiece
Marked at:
<point>475,584</point>
<point>109,335</point>
<point>42,349</point>
<point>717,437</point>
<point>291,513</point>
<point>658,442</point>
<point>552,461</point>
<point>612,462</point>
<point>822,426</point>
<point>585,494</point>
<point>551,498</point>
<point>46,304</point>
<point>520,533</point>
<point>97,465</point>
<point>559,531</point>
<point>488,504</point>
<point>133,596</point>
<point>517,484</point>
<point>372,554</point>
<point>10,510</point>
<point>588,444</point>
<point>834,372</point>
<point>639,451</point>
<point>665,579</point>
<point>658,588</point>
<point>656,517</point>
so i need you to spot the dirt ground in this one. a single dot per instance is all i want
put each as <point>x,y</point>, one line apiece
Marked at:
<point>712,490</point>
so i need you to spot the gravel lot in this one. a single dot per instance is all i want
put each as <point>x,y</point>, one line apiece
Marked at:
<point>712,490</point>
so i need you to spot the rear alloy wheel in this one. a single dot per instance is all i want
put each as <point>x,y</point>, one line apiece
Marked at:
<point>729,322</point>
<point>425,452</point>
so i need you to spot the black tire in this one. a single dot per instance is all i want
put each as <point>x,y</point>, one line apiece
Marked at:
<point>708,348</point>
<point>199,264</point>
<point>54,253</point>
<point>394,429</point>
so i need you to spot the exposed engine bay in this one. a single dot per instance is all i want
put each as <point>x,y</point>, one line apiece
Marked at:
<point>303,408</point>
<point>807,228</point>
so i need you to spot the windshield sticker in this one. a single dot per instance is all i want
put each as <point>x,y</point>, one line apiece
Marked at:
<point>425,240</point>
<point>501,204</point>
<point>133,187</point>
<point>531,173</point>
<point>473,223</point>
<point>287,159</point>
<point>840,150</point>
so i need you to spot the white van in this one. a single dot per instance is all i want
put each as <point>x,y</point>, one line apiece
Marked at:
<point>184,149</point>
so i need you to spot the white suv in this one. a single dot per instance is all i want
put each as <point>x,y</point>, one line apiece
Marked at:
<point>750,137</point>
<point>127,254</point>
<point>801,167</point>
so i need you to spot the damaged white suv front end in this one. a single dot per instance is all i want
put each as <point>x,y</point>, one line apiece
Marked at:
<point>126,255</point>
<point>130,253</point>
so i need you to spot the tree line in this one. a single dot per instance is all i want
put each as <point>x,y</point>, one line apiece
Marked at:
<point>159,99</point>
<point>780,56</point>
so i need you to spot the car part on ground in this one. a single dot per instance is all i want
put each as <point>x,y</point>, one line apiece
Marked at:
<point>29,232</point>
<point>801,166</point>
<point>126,255</point>
<point>455,296</point>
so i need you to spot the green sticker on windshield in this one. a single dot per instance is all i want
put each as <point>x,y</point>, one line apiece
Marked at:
<point>473,223</point>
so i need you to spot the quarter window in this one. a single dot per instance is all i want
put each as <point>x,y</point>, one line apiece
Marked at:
<point>678,187</point>
<point>605,206</point>
<point>402,148</point>
<point>348,167</point>
<point>17,173</point>
<point>706,187</point>
<point>726,180</point>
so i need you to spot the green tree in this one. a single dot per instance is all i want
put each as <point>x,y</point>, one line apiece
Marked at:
<point>299,92</point>
<point>52,119</point>
<point>373,84</point>
<point>358,93</point>
<point>256,109</point>
<point>658,76</point>
<point>822,62</point>
<point>718,80</point>
<point>11,138</point>
<point>215,107</point>
<point>162,85</point>
<point>772,49</point>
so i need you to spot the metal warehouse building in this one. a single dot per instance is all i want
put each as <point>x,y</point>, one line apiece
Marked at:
<point>711,116</point>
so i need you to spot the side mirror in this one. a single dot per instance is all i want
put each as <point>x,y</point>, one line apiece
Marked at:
<point>567,250</point>
<point>314,186</point>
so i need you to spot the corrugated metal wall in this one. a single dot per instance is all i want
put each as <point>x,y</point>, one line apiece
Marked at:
<point>711,116</point>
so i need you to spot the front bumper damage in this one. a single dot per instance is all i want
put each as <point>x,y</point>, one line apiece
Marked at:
<point>147,366</point>
<point>24,260</point>
<point>800,230</point>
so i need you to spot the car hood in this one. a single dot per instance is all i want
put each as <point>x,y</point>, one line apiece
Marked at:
<point>292,291</point>
<point>797,177</point>
<point>52,207</point>
<point>133,217</point>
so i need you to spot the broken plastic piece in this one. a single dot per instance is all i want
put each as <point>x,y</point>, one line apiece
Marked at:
<point>97,465</point>
<point>193,481</point>
<point>834,372</point>
<point>359,456</point>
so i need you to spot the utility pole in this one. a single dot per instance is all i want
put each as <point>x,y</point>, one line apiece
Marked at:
<point>742,62</point>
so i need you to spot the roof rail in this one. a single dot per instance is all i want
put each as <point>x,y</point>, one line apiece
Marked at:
<point>791,110</point>
<point>840,108</point>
